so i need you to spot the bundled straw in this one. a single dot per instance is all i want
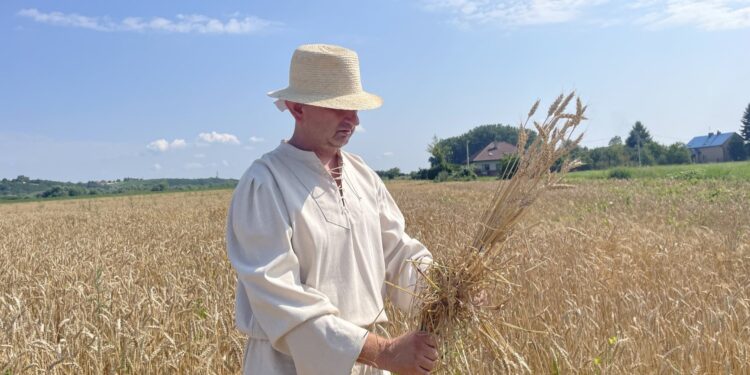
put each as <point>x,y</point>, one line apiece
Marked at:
<point>456,281</point>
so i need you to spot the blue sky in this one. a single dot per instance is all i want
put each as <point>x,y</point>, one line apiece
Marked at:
<point>95,90</point>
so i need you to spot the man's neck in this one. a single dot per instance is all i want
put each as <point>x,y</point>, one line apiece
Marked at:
<point>327,155</point>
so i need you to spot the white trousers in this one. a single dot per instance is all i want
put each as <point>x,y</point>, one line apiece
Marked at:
<point>262,359</point>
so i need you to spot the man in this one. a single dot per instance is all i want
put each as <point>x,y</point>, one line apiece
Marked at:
<point>315,239</point>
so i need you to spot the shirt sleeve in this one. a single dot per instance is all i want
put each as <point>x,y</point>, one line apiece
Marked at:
<point>298,320</point>
<point>403,254</point>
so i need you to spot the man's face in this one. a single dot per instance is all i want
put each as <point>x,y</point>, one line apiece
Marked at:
<point>327,127</point>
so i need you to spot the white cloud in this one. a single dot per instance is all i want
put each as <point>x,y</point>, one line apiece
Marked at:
<point>199,156</point>
<point>638,4</point>
<point>158,145</point>
<point>162,145</point>
<point>255,139</point>
<point>711,15</point>
<point>653,14</point>
<point>215,137</point>
<point>157,166</point>
<point>71,19</point>
<point>182,23</point>
<point>388,154</point>
<point>360,128</point>
<point>512,12</point>
<point>193,165</point>
<point>178,143</point>
<point>225,163</point>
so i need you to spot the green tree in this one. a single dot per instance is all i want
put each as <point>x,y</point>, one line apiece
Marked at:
<point>736,148</point>
<point>745,128</point>
<point>657,152</point>
<point>439,159</point>
<point>638,136</point>
<point>22,179</point>
<point>389,174</point>
<point>55,191</point>
<point>394,172</point>
<point>478,138</point>
<point>640,156</point>
<point>607,157</point>
<point>615,141</point>
<point>677,153</point>
<point>583,154</point>
<point>74,191</point>
<point>161,186</point>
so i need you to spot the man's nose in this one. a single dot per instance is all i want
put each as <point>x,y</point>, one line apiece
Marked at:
<point>351,117</point>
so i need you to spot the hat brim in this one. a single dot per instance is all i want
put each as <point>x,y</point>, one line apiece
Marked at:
<point>358,102</point>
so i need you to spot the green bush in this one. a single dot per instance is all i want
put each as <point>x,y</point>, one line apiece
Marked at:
<point>161,186</point>
<point>507,167</point>
<point>55,191</point>
<point>74,191</point>
<point>463,174</point>
<point>442,176</point>
<point>619,174</point>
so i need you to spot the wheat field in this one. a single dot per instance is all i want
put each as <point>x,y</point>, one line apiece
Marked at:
<point>613,277</point>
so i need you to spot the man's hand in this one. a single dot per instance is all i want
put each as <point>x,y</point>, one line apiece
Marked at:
<point>412,353</point>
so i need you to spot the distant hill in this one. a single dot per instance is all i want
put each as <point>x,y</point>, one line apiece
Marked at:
<point>24,187</point>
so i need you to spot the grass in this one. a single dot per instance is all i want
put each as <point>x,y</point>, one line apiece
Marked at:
<point>609,276</point>
<point>724,171</point>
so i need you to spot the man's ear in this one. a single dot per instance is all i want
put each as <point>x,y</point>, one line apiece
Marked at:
<point>296,109</point>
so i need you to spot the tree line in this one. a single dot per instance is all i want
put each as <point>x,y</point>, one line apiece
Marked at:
<point>23,187</point>
<point>448,157</point>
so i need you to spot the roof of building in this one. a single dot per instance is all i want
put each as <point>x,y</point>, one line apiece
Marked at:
<point>495,151</point>
<point>710,140</point>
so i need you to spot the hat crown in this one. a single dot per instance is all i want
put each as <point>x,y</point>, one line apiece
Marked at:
<point>323,69</point>
<point>326,76</point>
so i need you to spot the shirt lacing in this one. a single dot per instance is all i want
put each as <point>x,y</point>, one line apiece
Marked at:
<point>337,175</point>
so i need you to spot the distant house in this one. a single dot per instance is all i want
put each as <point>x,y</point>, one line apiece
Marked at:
<point>711,148</point>
<point>486,161</point>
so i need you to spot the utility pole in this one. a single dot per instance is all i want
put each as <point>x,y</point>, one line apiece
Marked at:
<point>467,154</point>
<point>638,136</point>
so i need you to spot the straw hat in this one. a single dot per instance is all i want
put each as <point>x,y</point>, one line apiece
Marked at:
<point>326,76</point>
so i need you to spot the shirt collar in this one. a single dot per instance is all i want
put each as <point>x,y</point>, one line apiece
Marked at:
<point>307,157</point>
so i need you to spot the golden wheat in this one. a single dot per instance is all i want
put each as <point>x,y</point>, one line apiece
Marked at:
<point>447,304</point>
<point>608,277</point>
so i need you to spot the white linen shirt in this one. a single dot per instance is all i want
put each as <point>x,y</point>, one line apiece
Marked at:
<point>312,262</point>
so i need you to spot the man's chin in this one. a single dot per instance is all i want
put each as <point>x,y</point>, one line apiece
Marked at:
<point>336,142</point>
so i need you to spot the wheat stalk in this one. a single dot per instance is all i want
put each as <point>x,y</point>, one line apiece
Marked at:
<point>456,278</point>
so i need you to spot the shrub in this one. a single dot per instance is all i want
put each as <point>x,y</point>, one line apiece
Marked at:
<point>55,191</point>
<point>161,186</point>
<point>442,176</point>
<point>74,191</point>
<point>507,166</point>
<point>463,174</point>
<point>619,174</point>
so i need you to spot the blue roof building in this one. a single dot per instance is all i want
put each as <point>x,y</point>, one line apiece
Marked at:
<point>711,148</point>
